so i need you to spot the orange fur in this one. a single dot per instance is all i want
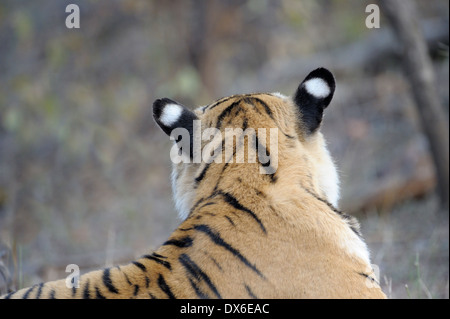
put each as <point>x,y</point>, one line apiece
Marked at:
<point>247,234</point>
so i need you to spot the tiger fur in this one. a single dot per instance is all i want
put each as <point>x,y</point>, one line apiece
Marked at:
<point>245,234</point>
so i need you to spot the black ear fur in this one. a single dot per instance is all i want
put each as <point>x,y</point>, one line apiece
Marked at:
<point>313,96</point>
<point>170,115</point>
<point>184,119</point>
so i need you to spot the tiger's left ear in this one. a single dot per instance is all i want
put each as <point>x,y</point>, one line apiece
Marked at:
<point>170,115</point>
<point>313,96</point>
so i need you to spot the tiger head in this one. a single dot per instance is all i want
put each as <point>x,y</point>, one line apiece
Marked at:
<point>217,144</point>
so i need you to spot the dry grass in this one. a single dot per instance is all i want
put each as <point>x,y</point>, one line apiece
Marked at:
<point>410,244</point>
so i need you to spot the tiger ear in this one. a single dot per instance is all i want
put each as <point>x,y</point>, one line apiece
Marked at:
<point>313,96</point>
<point>177,121</point>
<point>170,115</point>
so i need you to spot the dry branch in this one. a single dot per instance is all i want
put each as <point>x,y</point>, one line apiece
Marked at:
<point>360,55</point>
<point>419,71</point>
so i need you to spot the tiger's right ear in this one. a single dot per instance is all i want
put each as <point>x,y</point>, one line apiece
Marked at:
<point>170,115</point>
<point>312,97</point>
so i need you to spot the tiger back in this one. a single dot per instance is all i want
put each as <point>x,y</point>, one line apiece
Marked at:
<point>257,191</point>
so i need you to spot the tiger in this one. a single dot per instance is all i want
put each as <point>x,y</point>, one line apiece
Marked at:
<point>267,228</point>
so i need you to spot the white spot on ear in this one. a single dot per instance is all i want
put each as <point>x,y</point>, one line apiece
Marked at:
<point>317,87</point>
<point>170,114</point>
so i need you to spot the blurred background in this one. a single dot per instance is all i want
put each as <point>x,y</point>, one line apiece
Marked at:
<point>84,170</point>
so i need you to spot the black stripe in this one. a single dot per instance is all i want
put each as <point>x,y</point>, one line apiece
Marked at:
<point>156,257</point>
<point>248,100</point>
<point>213,194</point>
<point>8,296</point>
<point>235,203</point>
<point>207,204</point>
<point>195,271</point>
<point>27,293</point>
<point>220,101</point>
<point>209,214</point>
<point>215,262</point>
<point>86,294</point>
<point>288,136</point>
<point>199,178</point>
<point>164,287</point>
<point>147,282</point>
<point>136,290</point>
<point>245,124</point>
<point>230,220</point>
<point>250,292</point>
<point>197,290</point>
<point>215,237</point>
<point>195,206</point>
<point>39,292</point>
<point>260,193</point>
<point>181,243</point>
<point>52,294</point>
<point>372,279</point>
<point>261,148</point>
<point>139,265</point>
<point>235,115</point>
<point>226,112</point>
<point>235,147</point>
<point>98,294</point>
<point>350,220</point>
<point>266,107</point>
<point>269,112</point>
<point>127,279</point>
<point>107,281</point>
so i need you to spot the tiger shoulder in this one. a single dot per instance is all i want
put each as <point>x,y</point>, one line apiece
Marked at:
<point>258,193</point>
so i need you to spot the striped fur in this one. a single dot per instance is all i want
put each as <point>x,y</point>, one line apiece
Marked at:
<point>246,234</point>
